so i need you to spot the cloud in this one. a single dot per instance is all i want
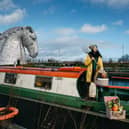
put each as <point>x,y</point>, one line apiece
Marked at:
<point>67,45</point>
<point>88,28</point>
<point>118,3</point>
<point>63,47</point>
<point>127,31</point>
<point>50,10</point>
<point>118,23</point>
<point>71,47</point>
<point>111,3</point>
<point>6,5</point>
<point>65,31</point>
<point>13,17</point>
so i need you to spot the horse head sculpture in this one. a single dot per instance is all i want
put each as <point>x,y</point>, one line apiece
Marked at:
<point>13,43</point>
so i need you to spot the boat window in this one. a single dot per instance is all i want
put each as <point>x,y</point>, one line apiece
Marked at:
<point>43,82</point>
<point>10,78</point>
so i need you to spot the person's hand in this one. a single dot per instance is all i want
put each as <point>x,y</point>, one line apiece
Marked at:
<point>93,58</point>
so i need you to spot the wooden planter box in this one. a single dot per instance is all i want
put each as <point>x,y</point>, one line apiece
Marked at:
<point>116,115</point>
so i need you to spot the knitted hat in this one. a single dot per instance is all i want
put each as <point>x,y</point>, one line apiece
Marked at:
<point>92,46</point>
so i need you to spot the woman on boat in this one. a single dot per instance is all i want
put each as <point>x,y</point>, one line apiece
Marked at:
<point>94,64</point>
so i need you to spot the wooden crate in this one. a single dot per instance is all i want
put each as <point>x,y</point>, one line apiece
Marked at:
<point>116,115</point>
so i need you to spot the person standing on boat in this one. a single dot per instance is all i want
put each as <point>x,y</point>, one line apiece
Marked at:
<point>94,64</point>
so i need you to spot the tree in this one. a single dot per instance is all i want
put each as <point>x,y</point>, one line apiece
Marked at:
<point>124,59</point>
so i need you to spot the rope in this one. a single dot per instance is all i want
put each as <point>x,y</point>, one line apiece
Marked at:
<point>64,122</point>
<point>40,116</point>
<point>45,118</point>
<point>74,122</point>
<point>83,118</point>
<point>11,100</point>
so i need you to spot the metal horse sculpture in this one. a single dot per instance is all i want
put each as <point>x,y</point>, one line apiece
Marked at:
<point>13,43</point>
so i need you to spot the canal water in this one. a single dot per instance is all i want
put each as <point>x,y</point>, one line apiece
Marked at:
<point>119,82</point>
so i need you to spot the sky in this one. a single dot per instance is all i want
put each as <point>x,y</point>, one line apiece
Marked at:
<point>65,28</point>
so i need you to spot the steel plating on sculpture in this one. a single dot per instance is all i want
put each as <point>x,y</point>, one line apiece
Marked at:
<point>13,43</point>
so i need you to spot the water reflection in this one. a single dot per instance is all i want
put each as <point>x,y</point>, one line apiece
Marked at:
<point>119,82</point>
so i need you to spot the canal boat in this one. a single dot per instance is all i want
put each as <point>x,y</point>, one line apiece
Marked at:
<point>63,86</point>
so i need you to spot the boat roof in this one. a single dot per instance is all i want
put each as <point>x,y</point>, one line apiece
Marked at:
<point>68,72</point>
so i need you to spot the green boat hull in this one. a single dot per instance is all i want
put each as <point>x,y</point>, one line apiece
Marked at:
<point>70,101</point>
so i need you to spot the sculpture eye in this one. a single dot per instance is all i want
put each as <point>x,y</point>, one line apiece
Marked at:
<point>33,38</point>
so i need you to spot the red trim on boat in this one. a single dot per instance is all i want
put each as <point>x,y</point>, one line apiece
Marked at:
<point>72,73</point>
<point>118,73</point>
<point>72,69</point>
<point>120,77</point>
<point>116,87</point>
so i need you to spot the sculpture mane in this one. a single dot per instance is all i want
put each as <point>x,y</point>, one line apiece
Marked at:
<point>13,43</point>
